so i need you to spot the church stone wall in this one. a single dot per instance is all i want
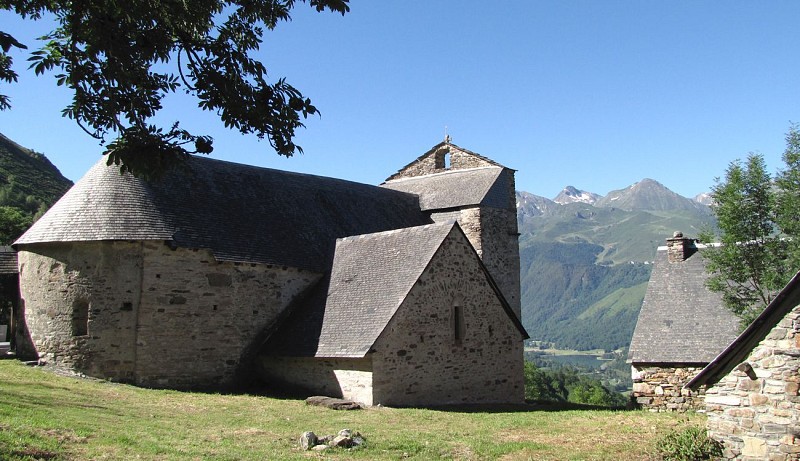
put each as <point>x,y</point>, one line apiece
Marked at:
<point>661,388</point>
<point>348,378</point>
<point>434,162</point>
<point>199,316</point>
<point>451,341</point>
<point>493,233</point>
<point>755,410</point>
<point>80,304</point>
<point>146,314</point>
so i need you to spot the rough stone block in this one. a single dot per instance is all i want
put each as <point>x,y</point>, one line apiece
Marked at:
<point>754,447</point>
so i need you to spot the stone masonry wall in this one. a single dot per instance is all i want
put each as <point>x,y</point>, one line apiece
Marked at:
<point>434,162</point>
<point>450,342</point>
<point>493,233</point>
<point>661,388</point>
<point>198,316</point>
<point>153,316</point>
<point>755,410</point>
<point>333,377</point>
<point>80,302</point>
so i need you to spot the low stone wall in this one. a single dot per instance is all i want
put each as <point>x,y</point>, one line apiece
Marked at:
<point>755,410</point>
<point>661,388</point>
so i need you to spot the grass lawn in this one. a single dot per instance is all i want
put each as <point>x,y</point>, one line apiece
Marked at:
<point>52,417</point>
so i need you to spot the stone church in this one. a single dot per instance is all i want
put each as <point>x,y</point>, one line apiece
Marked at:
<point>401,294</point>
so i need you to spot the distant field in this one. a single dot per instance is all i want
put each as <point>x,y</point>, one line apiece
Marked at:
<point>51,417</point>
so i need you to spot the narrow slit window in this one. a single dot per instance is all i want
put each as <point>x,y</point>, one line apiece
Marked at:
<point>80,318</point>
<point>458,323</point>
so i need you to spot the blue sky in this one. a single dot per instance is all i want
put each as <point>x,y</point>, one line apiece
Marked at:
<point>594,94</point>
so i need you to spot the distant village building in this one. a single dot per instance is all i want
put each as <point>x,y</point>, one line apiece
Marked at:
<point>753,387</point>
<point>403,294</point>
<point>682,326</point>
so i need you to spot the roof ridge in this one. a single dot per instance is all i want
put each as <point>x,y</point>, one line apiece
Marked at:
<point>350,238</point>
<point>442,173</point>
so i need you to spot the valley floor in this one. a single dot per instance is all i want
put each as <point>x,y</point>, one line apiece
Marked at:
<point>47,416</point>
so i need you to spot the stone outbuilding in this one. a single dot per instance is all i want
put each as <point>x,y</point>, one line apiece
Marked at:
<point>681,327</point>
<point>401,294</point>
<point>751,388</point>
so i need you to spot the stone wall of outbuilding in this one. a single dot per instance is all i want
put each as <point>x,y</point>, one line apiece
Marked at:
<point>143,313</point>
<point>451,341</point>
<point>661,388</point>
<point>755,410</point>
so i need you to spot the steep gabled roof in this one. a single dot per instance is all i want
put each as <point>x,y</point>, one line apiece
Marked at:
<point>485,186</point>
<point>371,277</point>
<point>738,350</point>
<point>681,321</point>
<point>239,212</point>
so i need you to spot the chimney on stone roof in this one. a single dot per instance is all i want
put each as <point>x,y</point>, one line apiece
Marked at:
<point>679,248</point>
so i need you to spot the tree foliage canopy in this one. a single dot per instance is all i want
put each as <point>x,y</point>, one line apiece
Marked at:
<point>757,217</point>
<point>121,58</point>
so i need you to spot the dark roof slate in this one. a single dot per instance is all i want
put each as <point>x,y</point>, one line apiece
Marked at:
<point>737,351</point>
<point>8,261</point>
<point>240,212</point>
<point>681,321</point>
<point>485,186</point>
<point>370,278</point>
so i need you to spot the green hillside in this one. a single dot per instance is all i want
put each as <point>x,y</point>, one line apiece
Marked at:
<point>29,184</point>
<point>584,268</point>
<point>570,300</point>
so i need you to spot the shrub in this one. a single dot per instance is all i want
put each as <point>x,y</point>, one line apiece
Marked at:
<point>688,444</point>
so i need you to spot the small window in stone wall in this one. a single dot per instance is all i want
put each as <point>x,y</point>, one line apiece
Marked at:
<point>458,323</point>
<point>442,160</point>
<point>80,318</point>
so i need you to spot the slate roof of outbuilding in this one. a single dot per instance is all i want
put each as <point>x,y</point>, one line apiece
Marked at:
<point>241,213</point>
<point>784,302</point>
<point>8,261</point>
<point>456,188</point>
<point>681,321</point>
<point>371,277</point>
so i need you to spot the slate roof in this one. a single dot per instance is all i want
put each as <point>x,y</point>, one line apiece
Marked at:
<point>8,261</point>
<point>241,213</point>
<point>738,350</point>
<point>681,321</point>
<point>485,186</point>
<point>371,277</point>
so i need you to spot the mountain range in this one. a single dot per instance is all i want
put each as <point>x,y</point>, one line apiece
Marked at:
<point>585,259</point>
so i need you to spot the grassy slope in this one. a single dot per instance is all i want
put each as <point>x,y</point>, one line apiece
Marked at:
<point>54,417</point>
<point>574,260</point>
<point>31,172</point>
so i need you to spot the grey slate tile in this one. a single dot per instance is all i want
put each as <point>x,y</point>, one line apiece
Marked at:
<point>681,321</point>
